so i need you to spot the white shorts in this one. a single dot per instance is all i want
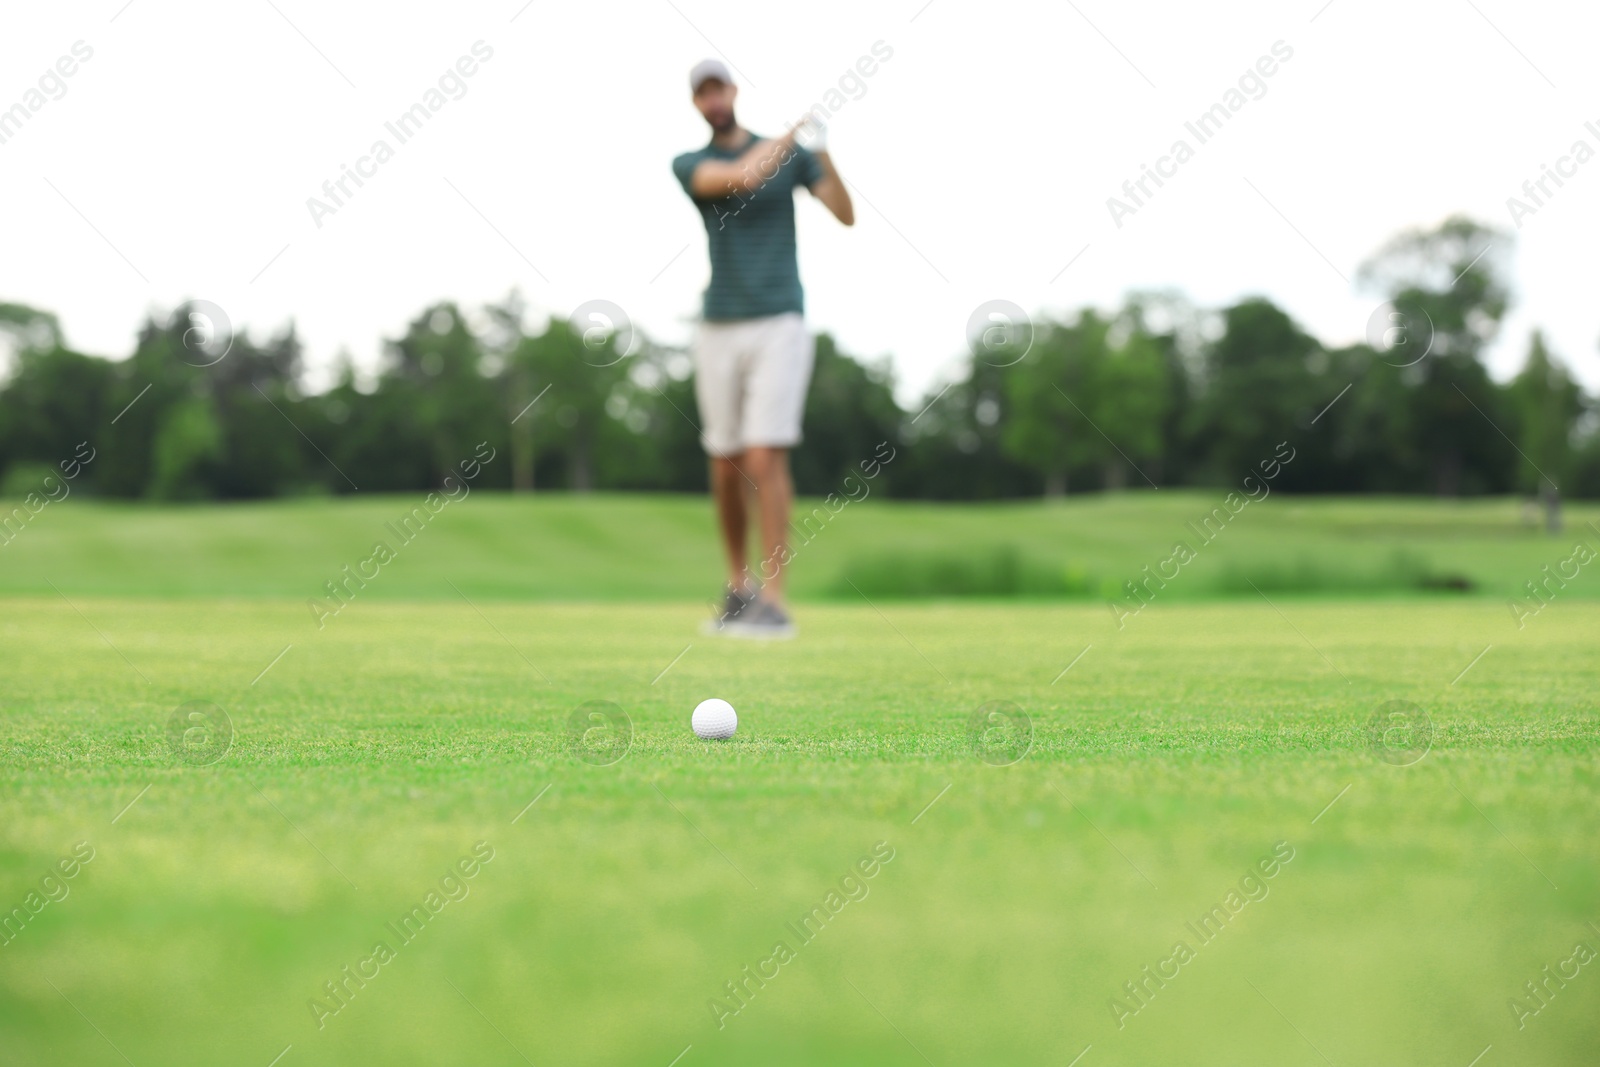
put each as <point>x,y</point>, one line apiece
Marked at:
<point>750,382</point>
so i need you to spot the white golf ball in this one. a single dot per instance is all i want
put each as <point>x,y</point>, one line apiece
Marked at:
<point>714,720</point>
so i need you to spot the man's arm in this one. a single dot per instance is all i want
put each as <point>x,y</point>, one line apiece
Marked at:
<point>714,179</point>
<point>830,189</point>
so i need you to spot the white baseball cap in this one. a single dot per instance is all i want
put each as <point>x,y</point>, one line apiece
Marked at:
<point>707,69</point>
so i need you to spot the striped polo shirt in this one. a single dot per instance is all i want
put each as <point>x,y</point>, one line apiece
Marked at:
<point>754,269</point>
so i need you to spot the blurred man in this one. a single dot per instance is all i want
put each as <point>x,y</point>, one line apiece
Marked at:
<point>752,352</point>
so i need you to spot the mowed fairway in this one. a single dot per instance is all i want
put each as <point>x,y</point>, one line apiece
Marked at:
<point>1171,759</point>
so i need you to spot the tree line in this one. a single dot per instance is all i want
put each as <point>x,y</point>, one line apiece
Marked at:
<point>1158,392</point>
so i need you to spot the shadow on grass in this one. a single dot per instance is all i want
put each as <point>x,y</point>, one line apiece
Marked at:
<point>1005,572</point>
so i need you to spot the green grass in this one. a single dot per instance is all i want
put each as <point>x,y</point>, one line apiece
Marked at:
<point>1173,756</point>
<point>642,548</point>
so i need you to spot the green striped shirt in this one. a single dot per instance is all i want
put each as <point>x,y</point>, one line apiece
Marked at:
<point>754,268</point>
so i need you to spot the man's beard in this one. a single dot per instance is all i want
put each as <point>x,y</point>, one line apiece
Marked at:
<point>728,124</point>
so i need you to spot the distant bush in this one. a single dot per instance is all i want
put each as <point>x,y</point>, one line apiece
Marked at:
<point>1405,571</point>
<point>1003,571</point>
<point>996,571</point>
<point>24,477</point>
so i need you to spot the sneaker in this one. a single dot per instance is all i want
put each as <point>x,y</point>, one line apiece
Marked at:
<point>734,604</point>
<point>762,620</point>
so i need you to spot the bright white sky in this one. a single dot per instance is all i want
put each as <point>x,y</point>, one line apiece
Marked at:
<point>982,155</point>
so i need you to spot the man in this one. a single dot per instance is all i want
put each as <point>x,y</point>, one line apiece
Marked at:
<point>752,352</point>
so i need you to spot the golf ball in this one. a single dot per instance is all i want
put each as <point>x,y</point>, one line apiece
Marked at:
<point>714,719</point>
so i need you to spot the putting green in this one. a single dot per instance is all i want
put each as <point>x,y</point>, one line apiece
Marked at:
<point>1007,906</point>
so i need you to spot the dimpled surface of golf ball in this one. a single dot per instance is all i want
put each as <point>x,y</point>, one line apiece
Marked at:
<point>714,720</point>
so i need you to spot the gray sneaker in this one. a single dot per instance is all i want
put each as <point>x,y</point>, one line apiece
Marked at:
<point>762,620</point>
<point>734,604</point>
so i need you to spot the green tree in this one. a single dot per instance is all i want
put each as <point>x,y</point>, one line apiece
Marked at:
<point>187,440</point>
<point>1548,404</point>
<point>1091,395</point>
<point>501,344</point>
<point>436,372</point>
<point>1135,395</point>
<point>1178,329</point>
<point>1051,390</point>
<point>1362,440</point>
<point>24,327</point>
<point>258,452</point>
<point>1258,387</point>
<point>54,400</point>
<point>850,409</point>
<point>146,391</point>
<point>954,448</point>
<point>652,434</point>
<point>573,377</point>
<point>1447,285</point>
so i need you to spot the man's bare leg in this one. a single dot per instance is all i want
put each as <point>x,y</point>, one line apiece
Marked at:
<point>768,468</point>
<point>728,487</point>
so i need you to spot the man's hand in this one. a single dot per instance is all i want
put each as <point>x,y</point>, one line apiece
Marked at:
<point>715,179</point>
<point>811,133</point>
<point>830,188</point>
